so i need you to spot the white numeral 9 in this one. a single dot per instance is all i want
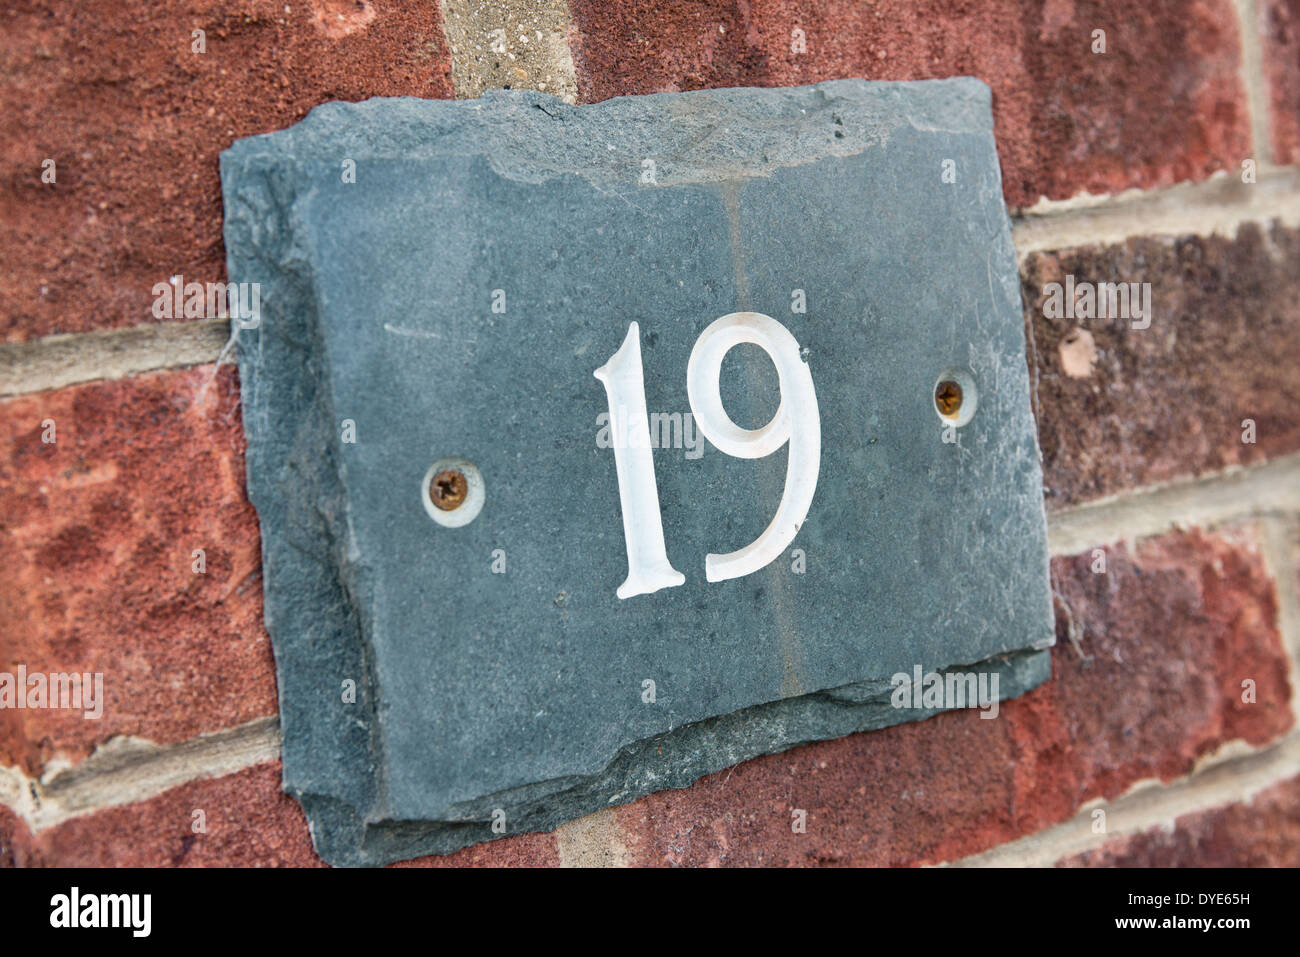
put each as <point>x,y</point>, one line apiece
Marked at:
<point>796,421</point>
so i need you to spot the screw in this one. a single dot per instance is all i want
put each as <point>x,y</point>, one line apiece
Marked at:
<point>947,397</point>
<point>448,489</point>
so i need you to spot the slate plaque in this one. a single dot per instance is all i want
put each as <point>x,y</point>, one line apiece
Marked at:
<point>440,281</point>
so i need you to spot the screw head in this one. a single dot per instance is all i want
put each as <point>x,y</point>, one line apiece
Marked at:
<point>947,398</point>
<point>448,489</point>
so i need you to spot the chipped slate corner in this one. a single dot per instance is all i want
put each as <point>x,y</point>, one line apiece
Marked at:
<point>472,695</point>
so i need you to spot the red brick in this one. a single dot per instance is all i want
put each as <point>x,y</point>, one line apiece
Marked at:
<point>1163,105</point>
<point>934,790</point>
<point>96,560</point>
<point>11,830</point>
<point>1264,832</point>
<point>521,850</point>
<point>1168,402</point>
<point>1165,636</point>
<point>1280,37</point>
<point>250,823</point>
<point>135,120</point>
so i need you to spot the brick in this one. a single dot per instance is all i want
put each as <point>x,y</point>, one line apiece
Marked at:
<point>249,822</point>
<point>1165,637</point>
<point>1262,832</point>
<point>1119,408</point>
<point>909,794</point>
<point>134,121</point>
<point>1144,114</point>
<point>1280,41</point>
<point>96,562</point>
<point>521,850</point>
<point>11,830</point>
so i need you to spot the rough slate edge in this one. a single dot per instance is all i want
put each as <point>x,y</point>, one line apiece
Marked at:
<point>326,748</point>
<point>329,748</point>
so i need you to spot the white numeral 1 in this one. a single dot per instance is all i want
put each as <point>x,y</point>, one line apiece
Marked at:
<point>648,568</point>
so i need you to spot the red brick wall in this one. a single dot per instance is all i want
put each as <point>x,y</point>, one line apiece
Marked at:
<point>1141,430</point>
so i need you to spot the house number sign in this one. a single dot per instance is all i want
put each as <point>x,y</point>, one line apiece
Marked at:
<point>598,448</point>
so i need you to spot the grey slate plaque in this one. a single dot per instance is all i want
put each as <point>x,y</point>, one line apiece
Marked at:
<point>440,280</point>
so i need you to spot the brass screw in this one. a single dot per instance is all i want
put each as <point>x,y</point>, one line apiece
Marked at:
<point>448,489</point>
<point>947,397</point>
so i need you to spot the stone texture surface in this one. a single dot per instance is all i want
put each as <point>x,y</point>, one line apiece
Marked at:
<point>1146,113</point>
<point>250,823</point>
<point>1163,641</point>
<point>96,558</point>
<point>509,45</point>
<point>1280,42</point>
<point>134,121</point>
<point>1167,402</point>
<point>522,691</point>
<point>1262,832</point>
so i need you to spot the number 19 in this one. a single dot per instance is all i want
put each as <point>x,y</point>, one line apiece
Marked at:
<point>796,421</point>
